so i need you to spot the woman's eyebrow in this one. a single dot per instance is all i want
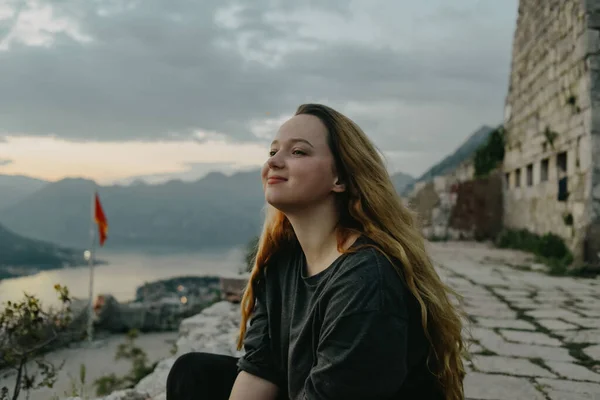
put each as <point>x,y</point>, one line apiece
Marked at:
<point>294,140</point>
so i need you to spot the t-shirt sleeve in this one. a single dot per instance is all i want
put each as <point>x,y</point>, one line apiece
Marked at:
<point>362,347</point>
<point>258,358</point>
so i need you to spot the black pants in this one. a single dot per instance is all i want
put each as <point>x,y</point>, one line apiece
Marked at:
<point>196,376</point>
<point>201,375</point>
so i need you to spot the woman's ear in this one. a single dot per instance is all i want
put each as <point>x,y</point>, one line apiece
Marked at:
<point>338,186</point>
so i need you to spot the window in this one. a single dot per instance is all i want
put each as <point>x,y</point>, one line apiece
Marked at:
<point>530,175</point>
<point>544,170</point>
<point>518,178</point>
<point>507,179</point>
<point>561,164</point>
<point>561,171</point>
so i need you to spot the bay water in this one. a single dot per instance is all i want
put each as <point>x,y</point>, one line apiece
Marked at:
<point>124,272</point>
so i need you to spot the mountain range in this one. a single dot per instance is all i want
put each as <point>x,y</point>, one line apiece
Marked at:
<point>19,254</point>
<point>463,153</point>
<point>217,210</point>
<point>13,188</point>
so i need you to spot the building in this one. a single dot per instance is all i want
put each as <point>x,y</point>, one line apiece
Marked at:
<point>552,122</point>
<point>455,206</point>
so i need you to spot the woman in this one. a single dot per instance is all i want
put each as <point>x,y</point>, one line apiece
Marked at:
<point>343,301</point>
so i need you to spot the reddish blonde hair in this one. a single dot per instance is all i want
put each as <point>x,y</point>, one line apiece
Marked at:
<point>371,206</point>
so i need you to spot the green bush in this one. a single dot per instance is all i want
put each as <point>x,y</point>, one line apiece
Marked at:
<point>549,248</point>
<point>490,154</point>
<point>139,367</point>
<point>28,332</point>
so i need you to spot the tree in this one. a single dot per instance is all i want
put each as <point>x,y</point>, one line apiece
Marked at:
<point>490,154</point>
<point>26,333</point>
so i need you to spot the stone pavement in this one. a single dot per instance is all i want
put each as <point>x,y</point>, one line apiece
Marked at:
<point>532,336</point>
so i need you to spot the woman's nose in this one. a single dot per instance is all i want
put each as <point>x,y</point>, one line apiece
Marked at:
<point>275,161</point>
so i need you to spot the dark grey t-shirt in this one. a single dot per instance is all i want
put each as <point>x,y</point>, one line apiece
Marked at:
<point>352,331</point>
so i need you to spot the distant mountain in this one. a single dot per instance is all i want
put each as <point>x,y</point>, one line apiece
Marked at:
<point>217,210</point>
<point>14,188</point>
<point>461,154</point>
<point>19,255</point>
<point>401,181</point>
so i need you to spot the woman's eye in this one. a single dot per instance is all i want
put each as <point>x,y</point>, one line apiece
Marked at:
<point>272,153</point>
<point>298,152</point>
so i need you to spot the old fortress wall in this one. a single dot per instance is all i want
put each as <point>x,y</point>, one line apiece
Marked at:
<point>552,122</point>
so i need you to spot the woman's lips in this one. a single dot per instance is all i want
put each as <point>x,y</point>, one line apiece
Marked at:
<point>275,179</point>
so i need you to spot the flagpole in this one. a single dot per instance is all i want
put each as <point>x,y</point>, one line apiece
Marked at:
<point>90,322</point>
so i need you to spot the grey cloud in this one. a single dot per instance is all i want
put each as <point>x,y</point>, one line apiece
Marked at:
<point>5,161</point>
<point>155,70</point>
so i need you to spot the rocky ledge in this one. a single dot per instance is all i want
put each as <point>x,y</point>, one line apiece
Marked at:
<point>213,330</point>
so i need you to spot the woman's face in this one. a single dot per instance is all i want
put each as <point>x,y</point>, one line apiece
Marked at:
<point>300,171</point>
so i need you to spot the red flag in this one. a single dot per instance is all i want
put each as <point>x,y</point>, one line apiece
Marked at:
<point>100,219</point>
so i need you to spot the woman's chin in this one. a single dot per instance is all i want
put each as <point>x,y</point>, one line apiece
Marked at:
<point>278,202</point>
<point>275,202</point>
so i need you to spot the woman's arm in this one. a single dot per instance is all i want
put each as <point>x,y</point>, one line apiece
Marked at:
<point>250,387</point>
<point>259,373</point>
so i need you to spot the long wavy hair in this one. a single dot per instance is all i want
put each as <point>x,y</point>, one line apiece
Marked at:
<point>370,206</point>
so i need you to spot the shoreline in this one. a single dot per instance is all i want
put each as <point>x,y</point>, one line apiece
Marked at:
<point>99,361</point>
<point>15,272</point>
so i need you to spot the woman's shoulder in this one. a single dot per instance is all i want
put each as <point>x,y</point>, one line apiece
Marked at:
<point>364,280</point>
<point>368,260</point>
<point>370,270</point>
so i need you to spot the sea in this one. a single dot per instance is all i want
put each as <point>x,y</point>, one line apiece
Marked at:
<point>124,271</point>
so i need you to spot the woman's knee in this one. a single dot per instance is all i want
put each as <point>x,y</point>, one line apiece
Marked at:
<point>188,362</point>
<point>184,361</point>
<point>199,372</point>
<point>184,371</point>
<point>201,363</point>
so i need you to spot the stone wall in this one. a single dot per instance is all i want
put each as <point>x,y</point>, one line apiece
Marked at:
<point>477,212</point>
<point>456,206</point>
<point>548,163</point>
<point>593,27</point>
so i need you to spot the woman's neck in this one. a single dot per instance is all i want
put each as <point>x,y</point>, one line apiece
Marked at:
<point>315,230</point>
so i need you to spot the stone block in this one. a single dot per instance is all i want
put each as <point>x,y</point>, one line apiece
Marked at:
<point>537,338</point>
<point>494,342</point>
<point>584,322</point>
<point>499,387</point>
<point>498,314</point>
<point>593,351</point>
<point>513,366</point>
<point>500,323</point>
<point>585,153</point>
<point>573,371</point>
<point>583,390</point>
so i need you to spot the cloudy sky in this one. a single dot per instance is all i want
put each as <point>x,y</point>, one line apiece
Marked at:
<point>117,89</point>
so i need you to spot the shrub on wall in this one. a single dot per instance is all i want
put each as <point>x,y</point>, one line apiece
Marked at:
<point>490,154</point>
